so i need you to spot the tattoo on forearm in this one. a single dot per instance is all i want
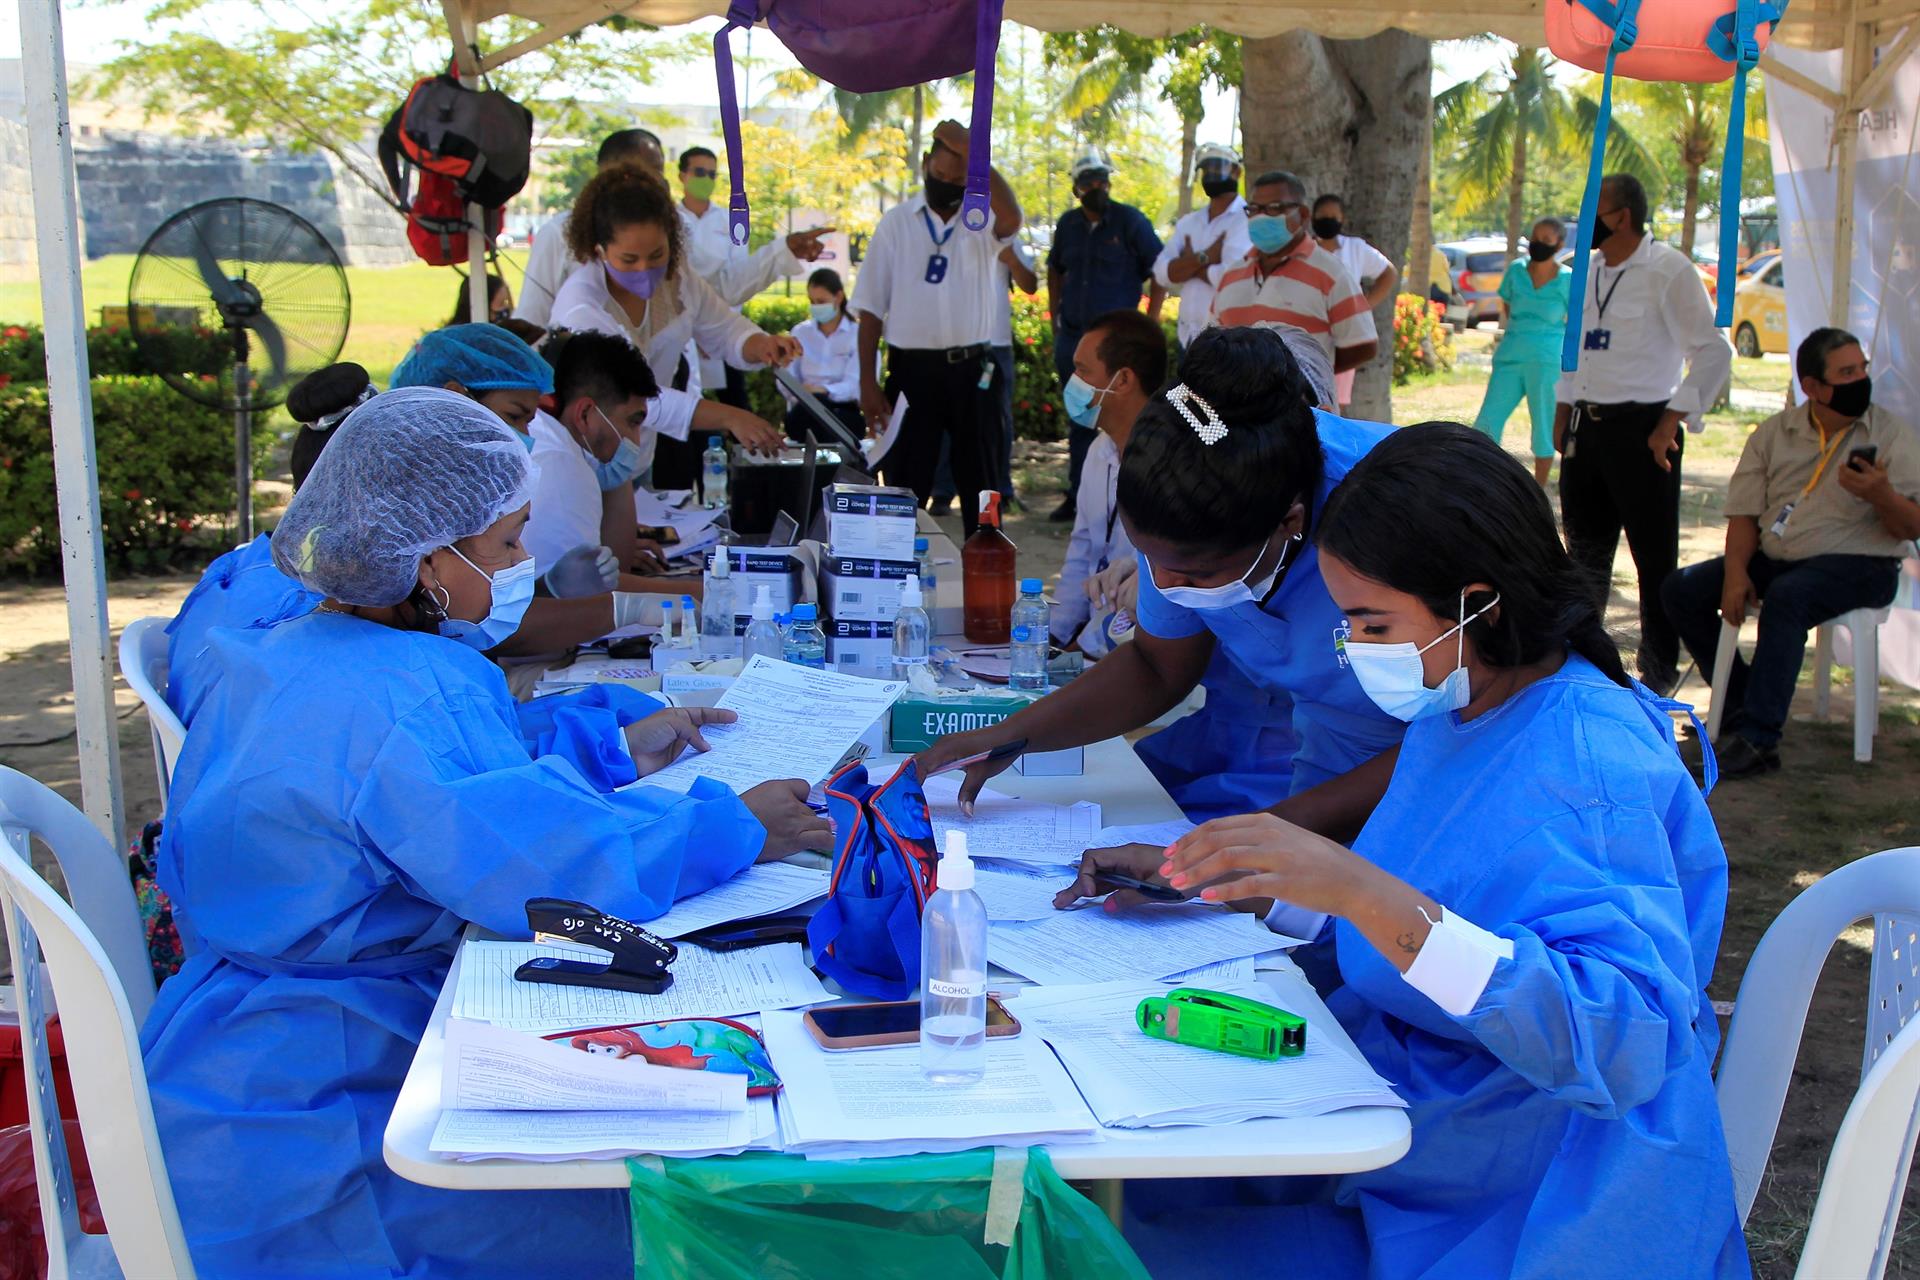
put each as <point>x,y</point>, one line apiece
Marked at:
<point>1409,943</point>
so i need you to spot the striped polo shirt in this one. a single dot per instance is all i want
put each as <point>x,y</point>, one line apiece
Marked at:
<point>1312,291</point>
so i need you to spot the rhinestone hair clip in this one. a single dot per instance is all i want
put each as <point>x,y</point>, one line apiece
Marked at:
<point>1212,431</point>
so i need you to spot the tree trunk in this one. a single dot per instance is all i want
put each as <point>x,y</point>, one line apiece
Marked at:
<point>1420,239</point>
<point>1516,189</point>
<point>915,143</point>
<point>1690,211</point>
<point>1347,116</point>
<point>1189,140</point>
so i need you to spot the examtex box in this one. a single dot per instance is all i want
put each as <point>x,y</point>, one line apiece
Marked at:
<point>916,722</point>
<point>872,521</point>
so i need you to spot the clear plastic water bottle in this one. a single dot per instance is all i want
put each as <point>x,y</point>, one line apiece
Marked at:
<point>953,973</point>
<point>806,643</point>
<point>763,638</point>
<point>1031,616</point>
<point>923,565</point>
<point>912,632</point>
<point>717,638</point>
<point>713,475</point>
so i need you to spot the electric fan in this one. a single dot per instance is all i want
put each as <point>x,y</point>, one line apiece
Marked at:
<point>246,271</point>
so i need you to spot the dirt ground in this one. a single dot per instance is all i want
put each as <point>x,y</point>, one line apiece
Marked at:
<point>1782,832</point>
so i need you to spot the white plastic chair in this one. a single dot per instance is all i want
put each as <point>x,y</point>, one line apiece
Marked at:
<point>1866,1178</point>
<point>109,1082</point>
<point>143,664</point>
<point>1771,1012</point>
<point>1864,626</point>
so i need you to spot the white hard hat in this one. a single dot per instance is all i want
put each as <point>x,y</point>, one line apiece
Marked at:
<point>1214,153</point>
<point>1091,159</point>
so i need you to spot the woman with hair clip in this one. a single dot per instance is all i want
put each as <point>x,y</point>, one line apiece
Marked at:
<point>633,280</point>
<point>1526,926</point>
<point>1220,487</point>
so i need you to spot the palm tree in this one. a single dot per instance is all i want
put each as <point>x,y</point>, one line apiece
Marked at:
<point>1694,119</point>
<point>864,112</point>
<point>1494,121</point>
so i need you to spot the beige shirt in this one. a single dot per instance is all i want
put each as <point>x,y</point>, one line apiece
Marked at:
<point>1780,459</point>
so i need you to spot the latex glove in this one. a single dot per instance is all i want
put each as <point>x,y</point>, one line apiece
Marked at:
<point>583,571</point>
<point>632,608</point>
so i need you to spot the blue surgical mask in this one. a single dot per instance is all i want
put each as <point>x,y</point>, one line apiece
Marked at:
<point>1078,395</point>
<point>1270,234</point>
<point>623,466</point>
<point>512,591</point>
<point>824,313</point>
<point>1395,678</point>
<point>640,284</point>
<point>1229,594</point>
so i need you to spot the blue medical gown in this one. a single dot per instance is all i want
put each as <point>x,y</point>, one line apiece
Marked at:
<point>1566,1127</point>
<point>240,589</point>
<point>1232,755</point>
<point>1284,649</point>
<point>349,796</point>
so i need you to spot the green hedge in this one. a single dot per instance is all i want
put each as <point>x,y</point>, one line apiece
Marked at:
<point>110,352</point>
<point>165,466</point>
<point>1037,414</point>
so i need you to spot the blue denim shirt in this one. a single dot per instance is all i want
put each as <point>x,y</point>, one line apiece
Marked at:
<point>1102,265</point>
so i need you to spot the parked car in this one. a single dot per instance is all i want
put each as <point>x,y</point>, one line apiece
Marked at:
<point>1476,266</point>
<point>1760,312</point>
<point>1759,262</point>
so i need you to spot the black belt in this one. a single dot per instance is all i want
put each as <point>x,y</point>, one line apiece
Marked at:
<point>1621,409</point>
<point>954,355</point>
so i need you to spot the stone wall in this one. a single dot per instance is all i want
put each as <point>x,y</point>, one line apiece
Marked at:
<point>132,182</point>
<point>16,203</point>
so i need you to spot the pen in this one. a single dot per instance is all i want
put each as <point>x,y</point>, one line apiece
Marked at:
<point>1002,752</point>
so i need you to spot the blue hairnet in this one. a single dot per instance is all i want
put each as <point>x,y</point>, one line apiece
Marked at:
<point>480,357</point>
<point>407,473</point>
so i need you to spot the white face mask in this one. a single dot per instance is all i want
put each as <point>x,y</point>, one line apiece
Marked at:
<point>1229,594</point>
<point>1396,679</point>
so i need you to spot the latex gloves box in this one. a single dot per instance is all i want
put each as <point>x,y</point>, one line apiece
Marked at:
<point>859,648</point>
<point>871,521</point>
<point>861,589</point>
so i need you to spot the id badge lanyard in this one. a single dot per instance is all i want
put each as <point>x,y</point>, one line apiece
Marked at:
<point>1598,338</point>
<point>937,261</point>
<point>1827,454</point>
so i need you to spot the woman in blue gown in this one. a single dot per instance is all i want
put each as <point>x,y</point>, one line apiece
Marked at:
<point>1524,929</point>
<point>356,786</point>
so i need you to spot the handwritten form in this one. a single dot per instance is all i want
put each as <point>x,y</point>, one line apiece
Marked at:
<point>1016,830</point>
<point>706,984</point>
<point>1134,1081</point>
<point>1072,947</point>
<point>795,722</point>
<point>879,1095</point>
<point>764,889</point>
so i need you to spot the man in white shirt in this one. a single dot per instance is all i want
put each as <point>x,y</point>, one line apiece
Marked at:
<point>548,263</point>
<point>1617,418</point>
<point>1207,243</point>
<point>1370,269</point>
<point>928,285</point>
<point>1118,366</point>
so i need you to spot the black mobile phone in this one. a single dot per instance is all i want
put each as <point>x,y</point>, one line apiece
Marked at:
<point>875,1026</point>
<point>738,935</point>
<point>1867,453</point>
<point>1151,892</point>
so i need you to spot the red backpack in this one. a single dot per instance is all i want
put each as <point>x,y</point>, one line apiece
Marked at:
<point>468,146</point>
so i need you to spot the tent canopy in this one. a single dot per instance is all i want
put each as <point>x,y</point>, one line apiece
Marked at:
<point>1809,24</point>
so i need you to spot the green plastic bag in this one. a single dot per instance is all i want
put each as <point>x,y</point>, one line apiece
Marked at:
<point>969,1215</point>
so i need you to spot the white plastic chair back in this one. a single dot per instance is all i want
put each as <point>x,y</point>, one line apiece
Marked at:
<point>143,664</point>
<point>1771,1010</point>
<point>1722,674</point>
<point>96,876</point>
<point>109,1092</point>
<point>1866,1178</point>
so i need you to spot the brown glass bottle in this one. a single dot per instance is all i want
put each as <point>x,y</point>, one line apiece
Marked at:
<point>987,571</point>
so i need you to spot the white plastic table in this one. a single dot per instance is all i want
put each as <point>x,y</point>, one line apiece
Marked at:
<point>1343,1142</point>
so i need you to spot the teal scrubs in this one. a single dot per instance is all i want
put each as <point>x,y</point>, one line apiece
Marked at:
<point>1527,364</point>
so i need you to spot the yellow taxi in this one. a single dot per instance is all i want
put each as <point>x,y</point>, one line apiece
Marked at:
<point>1760,313</point>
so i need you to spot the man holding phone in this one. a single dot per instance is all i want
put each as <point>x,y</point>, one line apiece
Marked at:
<point>1820,511</point>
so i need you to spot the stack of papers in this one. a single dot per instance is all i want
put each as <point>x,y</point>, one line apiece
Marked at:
<point>706,984</point>
<point>876,1101</point>
<point>1133,1081</point>
<point>795,722</point>
<point>765,889</point>
<point>1016,830</point>
<point>590,669</point>
<point>1091,945</point>
<point>694,527</point>
<point>507,1093</point>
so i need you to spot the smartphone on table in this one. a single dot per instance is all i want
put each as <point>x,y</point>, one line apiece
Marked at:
<point>892,1022</point>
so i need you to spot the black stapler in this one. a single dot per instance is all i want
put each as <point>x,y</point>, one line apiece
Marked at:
<point>640,959</point>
